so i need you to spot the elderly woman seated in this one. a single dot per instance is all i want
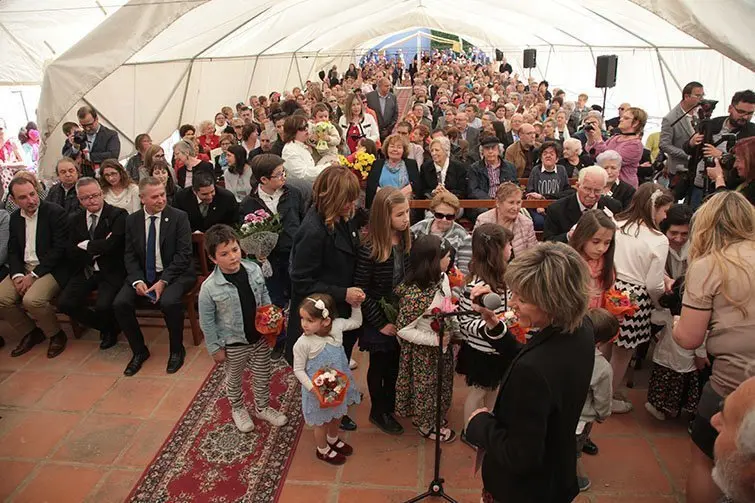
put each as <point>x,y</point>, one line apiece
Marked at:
<point>572,157</point>
<point>441,172</point>
<point>610,160</point>
<point>445,207</point>
<point>508,213</point>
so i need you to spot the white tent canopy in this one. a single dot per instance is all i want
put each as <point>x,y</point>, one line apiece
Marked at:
<point>156,64</point>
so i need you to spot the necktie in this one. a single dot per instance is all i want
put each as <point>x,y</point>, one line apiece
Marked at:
<point>151,260</point>
<point>92,225</point>
<point>203,208</point>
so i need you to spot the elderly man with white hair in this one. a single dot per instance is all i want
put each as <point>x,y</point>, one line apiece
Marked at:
<point>734,450</point>
<point>563,215</point>
<point>440,172</point>
<point>610,160</point>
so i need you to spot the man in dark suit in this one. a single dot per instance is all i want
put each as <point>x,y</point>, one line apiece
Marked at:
<point>37,269</point>
<point>159,268</point>
<point>563,215</point>
<point>63,193</point>
<point>96,242</point>
<point>470,134</point>
<point>206,204</point>
<point>102,143</point>
<point>384,103</point>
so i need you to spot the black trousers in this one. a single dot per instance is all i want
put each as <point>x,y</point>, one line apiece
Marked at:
<point>381,381</point>
<point>171,306</point>
<point>72,301</point>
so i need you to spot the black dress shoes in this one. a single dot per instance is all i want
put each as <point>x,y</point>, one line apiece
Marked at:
<point>136,363</point>
<point>387,423</point>
<point>57,344</point>
<point>175,361</point>
<point>347,424</point>
<point>108,339</point>
<point>590,448</point>
<point>28,341</point>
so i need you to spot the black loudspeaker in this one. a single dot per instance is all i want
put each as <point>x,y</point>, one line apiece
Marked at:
<point>530,58</point>
<point>498,55</point>
<point>605,71</point>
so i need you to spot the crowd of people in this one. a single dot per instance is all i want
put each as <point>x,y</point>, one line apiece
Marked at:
<point>356,266</point>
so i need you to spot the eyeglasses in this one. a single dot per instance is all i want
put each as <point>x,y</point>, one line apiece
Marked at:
<point>744,112</point>
<point>91,197</point>
<point>160,156</point>
<point>111,174</point>
<point>282,174</point>
<point>443,216</point>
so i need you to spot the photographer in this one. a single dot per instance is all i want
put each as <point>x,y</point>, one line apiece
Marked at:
<point>743,180</point>
<point>100,142</point>
<point>737,123</point>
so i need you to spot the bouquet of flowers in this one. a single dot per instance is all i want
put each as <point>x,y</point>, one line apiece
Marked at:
<point>456,278</point>
<point>258,236</point>
<point>450,325</point>
<point>322,135</point>
<point>620,303</point>
<point>269,322</point>
<point>511,320</point>
<point>330,386</point>
<point>360,163</point>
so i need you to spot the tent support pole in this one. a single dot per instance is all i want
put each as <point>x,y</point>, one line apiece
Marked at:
<point>663,77</point>
<point>298,70</point>
<point>186,92</point>
<point>251,79</point>
<point>117,129</point>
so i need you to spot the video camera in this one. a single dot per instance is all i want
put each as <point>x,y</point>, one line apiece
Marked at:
<point>80,140</point>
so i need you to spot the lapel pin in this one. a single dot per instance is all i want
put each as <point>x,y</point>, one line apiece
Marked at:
<point>166,219</point>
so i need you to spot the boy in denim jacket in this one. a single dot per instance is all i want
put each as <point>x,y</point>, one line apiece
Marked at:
<point>228,302</point>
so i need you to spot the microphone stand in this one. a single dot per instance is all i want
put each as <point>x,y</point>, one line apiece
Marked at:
<point>436,485</point>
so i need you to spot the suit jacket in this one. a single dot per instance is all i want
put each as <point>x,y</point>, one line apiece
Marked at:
<point>224,208</point>
<point>561,216</point>
<point>473,138</point>
<point>107,245</point>
<point>175,247</point>
<point>529,436</point>
<point>106,145</point>
<point>479,182</point>
<point>4,236</point>
<point>623,193</point>
<point>388,119</point>
<point>456,178</point>
<point>68,201</point>
<point>52,231</point>
<point>373,180</point>
<point>673,139</point>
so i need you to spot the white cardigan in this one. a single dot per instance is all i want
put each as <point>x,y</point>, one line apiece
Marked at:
<point>368,126</point>
<point>299,162</point>
<point>641,259</point>
<point>128,199</point>
<point>419,331</point>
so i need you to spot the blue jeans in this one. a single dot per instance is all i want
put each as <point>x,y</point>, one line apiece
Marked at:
<point>538,219</point>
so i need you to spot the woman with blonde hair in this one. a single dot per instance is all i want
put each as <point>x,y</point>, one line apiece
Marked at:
<point>208,140</point>
<point>117,187</point>
<point>628,144</point>
<point>718,300</point>
<point>186,154</point>
<point>444,208</point>
<point>507,213</point>
<point>324,253</point>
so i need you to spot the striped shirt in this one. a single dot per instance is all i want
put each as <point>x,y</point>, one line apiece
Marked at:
<point>469,325</point>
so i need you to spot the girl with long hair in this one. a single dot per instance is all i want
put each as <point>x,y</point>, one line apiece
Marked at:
<point>117,187</point>
<point>381,266</point>
<point>594,239</point>
<point>238,175</point>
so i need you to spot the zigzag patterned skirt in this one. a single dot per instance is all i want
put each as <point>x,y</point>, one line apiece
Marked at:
<point>635,330</point>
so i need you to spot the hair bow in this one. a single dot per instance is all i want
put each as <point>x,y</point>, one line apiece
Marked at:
<point>655,195</point>
<point>320,306</point>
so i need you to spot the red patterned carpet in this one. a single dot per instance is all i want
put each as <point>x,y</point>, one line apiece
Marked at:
<point>206,459</point>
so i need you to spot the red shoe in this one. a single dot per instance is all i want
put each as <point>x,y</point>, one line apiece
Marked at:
<point>332,457</point>
<point>342,447</point>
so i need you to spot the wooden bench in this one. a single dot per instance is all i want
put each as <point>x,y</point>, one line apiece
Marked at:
<point>190,298</point>
<point>424,204</point>
<point>523,181</point>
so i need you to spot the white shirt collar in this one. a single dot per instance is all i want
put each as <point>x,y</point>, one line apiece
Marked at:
<point>582,207</point>
<point>99,213</point>
<point>28,217</point>
<point>147,215</point>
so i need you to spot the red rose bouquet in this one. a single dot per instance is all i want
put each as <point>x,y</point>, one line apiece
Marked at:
<point>330,386</point>
<point>269,321</point>
<point>619,303</point>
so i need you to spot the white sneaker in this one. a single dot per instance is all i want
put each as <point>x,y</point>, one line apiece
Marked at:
<point>353,364</point>
<point>660,416</point>
<point>272,416</point>
<point>620,406</point>
<point>243,422</point>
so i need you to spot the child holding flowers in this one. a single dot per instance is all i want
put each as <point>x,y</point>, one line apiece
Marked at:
<point>319,360</point>
<point>324,135</point>
<point>593,238</point>
<point>425,290</point>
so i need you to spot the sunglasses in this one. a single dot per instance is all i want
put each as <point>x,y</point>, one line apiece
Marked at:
<point>443,216</point>
<point>303,128</point>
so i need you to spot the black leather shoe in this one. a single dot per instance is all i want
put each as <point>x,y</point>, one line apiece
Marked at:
<point>108,340</point>
<point>28,341</point>
<point>590,448</point>
<point>175,361</point>
<point>135,365</point>
<point>387,424</point>
<point>347,424</point>
<point>57,344</point>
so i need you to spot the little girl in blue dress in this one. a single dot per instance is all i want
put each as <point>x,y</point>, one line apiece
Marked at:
<point>322,346</point>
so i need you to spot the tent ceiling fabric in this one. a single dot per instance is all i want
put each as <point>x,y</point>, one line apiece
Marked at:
<point>225,50</point>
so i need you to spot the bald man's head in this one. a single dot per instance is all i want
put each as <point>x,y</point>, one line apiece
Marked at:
<point>527,134</point>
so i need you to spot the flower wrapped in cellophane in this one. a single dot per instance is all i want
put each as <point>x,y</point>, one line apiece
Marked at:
<point>258,235</point>
<point>330,386</point>
<point>269,322</point>
<point>620,303</point>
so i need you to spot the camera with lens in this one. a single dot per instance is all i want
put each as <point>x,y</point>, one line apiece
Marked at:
<point>80,140</point>
<point>673,300</point>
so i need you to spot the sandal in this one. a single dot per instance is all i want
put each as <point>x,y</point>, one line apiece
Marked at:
<point>447,435</point>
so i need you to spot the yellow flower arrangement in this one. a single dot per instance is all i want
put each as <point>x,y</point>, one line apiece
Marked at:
<point>360,163</point>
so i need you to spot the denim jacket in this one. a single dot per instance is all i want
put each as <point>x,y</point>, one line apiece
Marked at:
<point>220,315</point>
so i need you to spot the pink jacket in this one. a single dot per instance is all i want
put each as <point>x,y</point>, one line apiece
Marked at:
<point>630,152</point>
<point>524,230</point>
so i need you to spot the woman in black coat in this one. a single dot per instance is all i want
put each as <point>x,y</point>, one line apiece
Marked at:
<point>400,171</point>
<point>529,439</point>
<point>454,176</point>
<point>324,254</point>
